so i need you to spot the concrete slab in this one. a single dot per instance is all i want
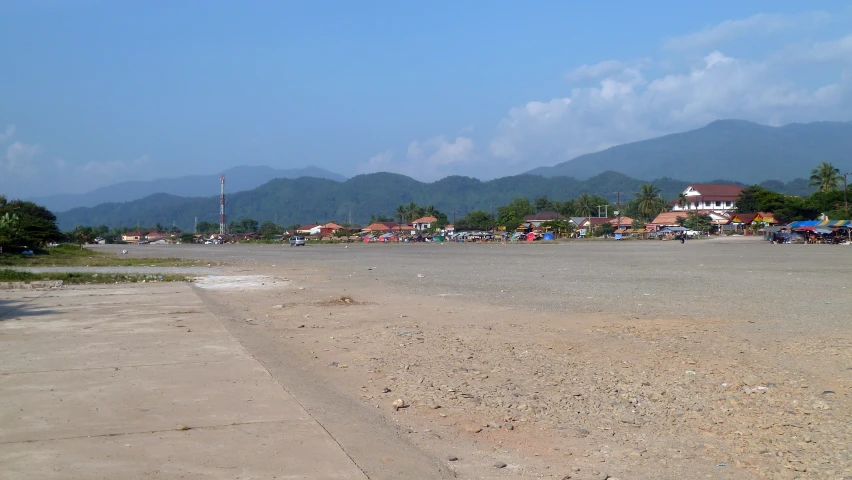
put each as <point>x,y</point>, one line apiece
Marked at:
<point>283,450</point>
<point>102,328</point>
<point>99,382</point>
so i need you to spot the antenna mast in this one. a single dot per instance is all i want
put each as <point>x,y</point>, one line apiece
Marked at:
<point>222,205</point>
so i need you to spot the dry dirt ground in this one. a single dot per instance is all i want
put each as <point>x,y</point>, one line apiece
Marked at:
<point>719,359</point>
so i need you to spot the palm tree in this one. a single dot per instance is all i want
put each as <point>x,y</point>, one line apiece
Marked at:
<point>825,177</point>
<point>583,204</point>
<point>682,200</point>
<point>430,211</point>
<point>401,213</point>
<point>411,212</point>
<point>647,197</point>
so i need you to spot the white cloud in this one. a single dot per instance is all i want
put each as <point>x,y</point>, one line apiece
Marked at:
<point>115,167</point>
<point>632,101</point>
<point>7,134</point>
<point>20,156</point>
<point>606,69</point>
<point>759,24</point>
<point>426,160</point>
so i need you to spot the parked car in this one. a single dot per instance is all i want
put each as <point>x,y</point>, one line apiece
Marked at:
<point>297,241</point>
<point>692,234</point>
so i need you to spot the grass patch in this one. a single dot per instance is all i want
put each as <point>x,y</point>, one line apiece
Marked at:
<point>74,256</point>
<point>74,278</point>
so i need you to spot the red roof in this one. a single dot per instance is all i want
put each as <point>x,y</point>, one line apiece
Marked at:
<point>717,190</point>
<point>669,218</point>
<point>425,220</point>
<point>381,227</point>
<point>307,227</point>
<point>544,217</point>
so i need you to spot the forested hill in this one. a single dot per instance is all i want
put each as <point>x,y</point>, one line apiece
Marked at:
<point>305,200</point>
<point>238,179</point>
<point>308,200</point>
<point>736,149</point>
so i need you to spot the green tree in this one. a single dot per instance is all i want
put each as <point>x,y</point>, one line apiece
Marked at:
<point>411,212</point>
<point>584,204</point>
<point>401,213</point>
<point>475,220</point>
<point>8,223</point>
<point>204,227</point>
<point>648,198</point>
<point>637,224</point>
<point>511,215</point>
<point>269,229</point>
<point>698,222</point>
<point>825,177</point>
<point>82,235</point>
<point>559,227</point>
<point>542,204</point>
<point>187,238</point>
<point>35,225</point>
<point>245,225</point>
<point>682,201</point>
<point>605,228</point>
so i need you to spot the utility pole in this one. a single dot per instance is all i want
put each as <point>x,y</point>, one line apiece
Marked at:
<point>454,218</point>
<point>618,211</point>
<point>845,188</point>
<point>493,220</point>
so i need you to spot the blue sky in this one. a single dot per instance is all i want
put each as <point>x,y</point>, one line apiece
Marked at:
<point>95,92</point>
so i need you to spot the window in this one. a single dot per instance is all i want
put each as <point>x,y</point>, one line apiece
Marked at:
<point>718,204</point>
<point>729,204</point>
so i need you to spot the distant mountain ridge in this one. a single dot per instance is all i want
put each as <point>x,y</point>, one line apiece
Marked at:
<point>746,151</point>
<point>237,179</point>
<point>308,199</point>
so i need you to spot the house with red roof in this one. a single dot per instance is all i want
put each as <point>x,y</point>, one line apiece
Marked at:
<point>423,223</point>
<point>384,227</point>
<point>708,196</point>
<point>306,229</point>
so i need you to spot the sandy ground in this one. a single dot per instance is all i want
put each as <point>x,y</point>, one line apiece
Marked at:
<point>716,359</point>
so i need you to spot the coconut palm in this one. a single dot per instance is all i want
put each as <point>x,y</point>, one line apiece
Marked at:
<point>411,211</point>
<point>682,201</point>
<point>647,197</point>
<point>430,211</point>
<point>825,177</point>
<point>583,204</point>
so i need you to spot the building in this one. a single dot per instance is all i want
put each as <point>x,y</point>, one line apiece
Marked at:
<point>306,229</point>
<point>538,218</point>
<point>132,237</point>
<point>708,196</point>
<point>332,226</point>
<point>383,227</point>
<point>423,223</point>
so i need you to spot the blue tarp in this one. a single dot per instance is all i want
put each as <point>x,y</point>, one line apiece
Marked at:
<point>803,223</point>
<point>548,236</point>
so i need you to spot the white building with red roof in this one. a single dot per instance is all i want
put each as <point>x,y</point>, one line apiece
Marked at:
<point>708,196</point>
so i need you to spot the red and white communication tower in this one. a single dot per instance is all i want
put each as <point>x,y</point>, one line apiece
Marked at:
<point>222,205</point>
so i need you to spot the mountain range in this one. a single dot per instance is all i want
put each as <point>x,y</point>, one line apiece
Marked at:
<point>316,200</point>
<point>237,179</point>
<point>739,150</point>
